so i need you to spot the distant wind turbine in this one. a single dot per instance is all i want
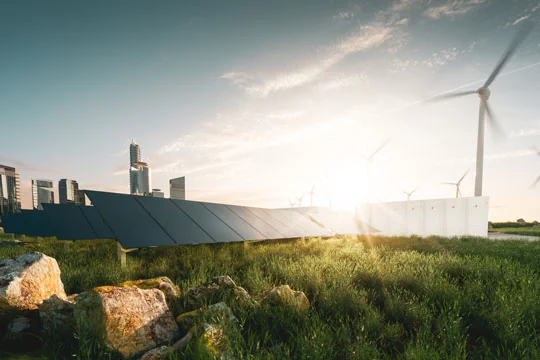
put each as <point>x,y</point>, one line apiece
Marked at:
<point>457,184</point>
<point>311,194</point>
<point>409,194</point>
<point>299,199</point>
<point>292,203</point>
<point>483,93</point>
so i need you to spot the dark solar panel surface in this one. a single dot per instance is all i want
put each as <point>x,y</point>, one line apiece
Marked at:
<point>284,217</point>
<point>175,222</point>
<point>37,223</point>
<point>100,227</point>
<point>129,221</point>
<point>213,225</point>
<point>268,217</point>
<point>14,224</point>
<point>68,222</point>
<point>235,222</point>
<point>265,229</point>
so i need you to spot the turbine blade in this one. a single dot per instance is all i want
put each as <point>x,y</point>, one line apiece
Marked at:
<point>449,95</point>
<point>492,121</point>
<point>463,177</point>
<point>379,149</point>
<point>533,185</point>
<point>518,39</point>
<point>448,183</point>
<point>412,192</point>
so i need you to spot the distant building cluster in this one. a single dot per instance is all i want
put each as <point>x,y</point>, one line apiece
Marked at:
<point>140,183</point>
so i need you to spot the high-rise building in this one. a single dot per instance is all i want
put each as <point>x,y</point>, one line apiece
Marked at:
<point>69,193</point>
<point>158,193</point>
<point>140,179</point>
<point>178,188</point>
<point>10,190</point>
<point>42,193</point>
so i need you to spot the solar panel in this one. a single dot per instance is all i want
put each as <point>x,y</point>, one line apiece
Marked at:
<point>312,229</point>
<point>129,221</point>
<point>37,223</point>
<point>100,227</point>
<point>68,222</point>
<point>284,217</point>
<point>207,220</point>
<point>13,224</point>
<point>235,222</point>
<point>175,222</point>
<point>268,217</point>
<point>268,231</point>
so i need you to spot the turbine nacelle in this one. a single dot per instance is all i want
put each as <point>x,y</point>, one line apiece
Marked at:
<point>483,92</point>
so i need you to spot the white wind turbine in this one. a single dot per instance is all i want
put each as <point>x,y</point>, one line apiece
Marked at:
<point>299,199</point>
<point>483,93</point>
<point>409,194</point>
<point>457,184</point>
<point>311,194</point>
<point>292,203</point>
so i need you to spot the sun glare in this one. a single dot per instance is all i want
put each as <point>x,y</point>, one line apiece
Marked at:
<point>348,183</point>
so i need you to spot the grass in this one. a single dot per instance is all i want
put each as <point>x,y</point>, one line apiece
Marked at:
<point>531,231</point>
<point>378,298</point>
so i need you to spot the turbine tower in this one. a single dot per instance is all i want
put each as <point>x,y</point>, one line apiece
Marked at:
<point>483,93</point>
<point>311,194</point>
<point>457,184</point>
<point>409,194</point>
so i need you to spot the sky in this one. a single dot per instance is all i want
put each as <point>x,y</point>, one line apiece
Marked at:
<point>259,102</point>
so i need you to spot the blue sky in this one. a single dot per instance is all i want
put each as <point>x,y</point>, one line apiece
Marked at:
<point>255,102</point>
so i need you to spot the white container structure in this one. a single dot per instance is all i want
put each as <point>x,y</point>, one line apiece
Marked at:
<point>442,217</point>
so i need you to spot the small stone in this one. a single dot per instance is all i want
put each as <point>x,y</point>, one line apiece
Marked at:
<point>219,287</point>
<point>284,295</point>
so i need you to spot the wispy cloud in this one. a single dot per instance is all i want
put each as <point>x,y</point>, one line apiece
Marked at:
<point>342,81</point>
<point>525,15</point>
<point>452,8</point>
<point>344,15</point>
<point>435,60</point>
<point>367,37</point>
<point>525,132</point>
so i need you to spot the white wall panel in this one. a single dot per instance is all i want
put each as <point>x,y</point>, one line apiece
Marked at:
<point>443,217</point>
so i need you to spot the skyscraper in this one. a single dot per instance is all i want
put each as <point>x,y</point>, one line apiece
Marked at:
<point>10,190</point>
<point>140,179</point>
<point>42,192</point>
<point>178,188</point>
<point>69,193</point>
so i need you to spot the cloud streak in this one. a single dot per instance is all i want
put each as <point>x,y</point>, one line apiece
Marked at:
<point>453,8</point>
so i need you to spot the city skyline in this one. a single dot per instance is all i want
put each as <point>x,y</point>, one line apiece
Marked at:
<point>256,117</point>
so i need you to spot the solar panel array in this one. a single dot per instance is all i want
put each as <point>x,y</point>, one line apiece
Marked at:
<point>146,222</point>
<point>138,221</point>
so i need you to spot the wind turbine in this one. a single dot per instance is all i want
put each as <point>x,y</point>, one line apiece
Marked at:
<point>457,184</point>
<point>483,93</point>
<point>409,194</point>
<point>299,198</point>
<point>292,203</point>
<point>311,193</point>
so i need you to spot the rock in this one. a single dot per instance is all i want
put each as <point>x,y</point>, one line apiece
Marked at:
<point>158,353</point>
<point>215,313</point>
<point>11,243</point>
<point>56,315</point>
<point>216,289</point>
<point>22,332</point>
<point>211,342</point>
<point>27,280</point>
<point>128,320</point>
<point>163,352</point>
<point>284,295</point>
<point>163,283</point>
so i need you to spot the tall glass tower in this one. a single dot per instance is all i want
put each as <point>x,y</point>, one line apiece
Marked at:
<point>10,190</point>
<point>42,193</point>
<point>140,180</point>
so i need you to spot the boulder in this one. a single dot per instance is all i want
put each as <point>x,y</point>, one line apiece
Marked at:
<point>215,313</point>
<point>128,320</point>
<point>219,288</point>
<point>285,296</point>
<point>163,283</point>
<point>56,315</point>
<point>27,280</point>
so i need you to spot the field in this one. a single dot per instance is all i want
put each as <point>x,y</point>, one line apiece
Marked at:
<point>531,231</point>
<point>373,298</point>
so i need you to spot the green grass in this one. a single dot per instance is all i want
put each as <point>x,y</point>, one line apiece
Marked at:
<point>379,298</point>
<point>532,231</point>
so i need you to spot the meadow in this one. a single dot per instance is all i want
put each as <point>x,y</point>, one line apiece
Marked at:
<point>372,298</point>
<point>530,231</point>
